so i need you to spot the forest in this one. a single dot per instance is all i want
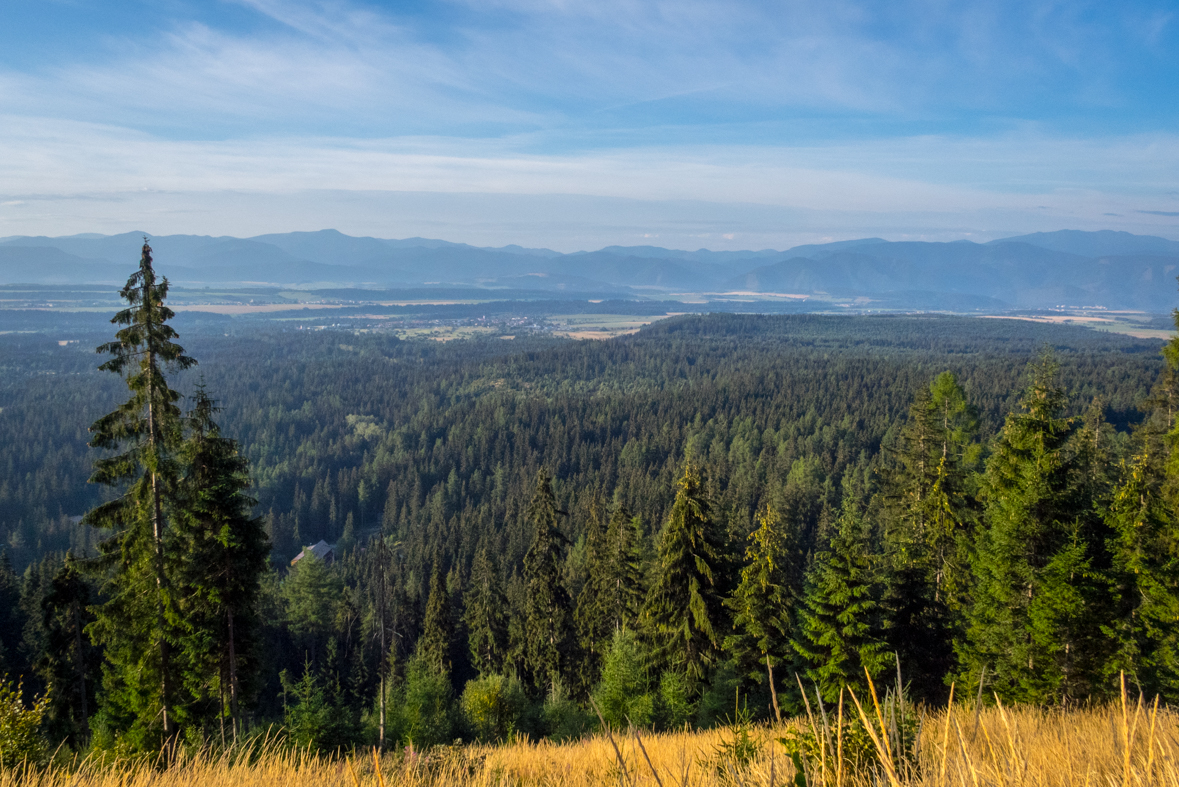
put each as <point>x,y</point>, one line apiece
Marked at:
<point>538,537</point>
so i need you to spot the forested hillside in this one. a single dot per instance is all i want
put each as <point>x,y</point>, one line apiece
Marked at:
<point>654,521</point>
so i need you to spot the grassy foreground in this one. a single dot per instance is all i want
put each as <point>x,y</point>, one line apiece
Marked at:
<point>998,746</point>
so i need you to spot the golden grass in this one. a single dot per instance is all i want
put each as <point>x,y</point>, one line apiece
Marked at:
<point>1111,745</point>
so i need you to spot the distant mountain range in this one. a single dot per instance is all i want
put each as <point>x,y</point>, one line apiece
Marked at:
<point>1115,270</point>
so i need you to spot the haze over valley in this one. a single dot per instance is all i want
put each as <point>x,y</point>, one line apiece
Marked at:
<point>1064,269</point>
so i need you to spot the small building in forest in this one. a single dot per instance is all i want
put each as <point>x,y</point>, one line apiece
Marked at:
<point>323,550</point>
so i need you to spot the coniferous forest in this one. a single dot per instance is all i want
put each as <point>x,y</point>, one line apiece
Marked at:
<point>537,536</point>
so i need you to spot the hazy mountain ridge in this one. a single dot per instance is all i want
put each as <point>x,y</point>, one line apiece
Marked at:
<point>1070,267</point>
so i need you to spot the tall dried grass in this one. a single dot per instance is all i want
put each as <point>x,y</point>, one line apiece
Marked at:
<point>1130,743</point>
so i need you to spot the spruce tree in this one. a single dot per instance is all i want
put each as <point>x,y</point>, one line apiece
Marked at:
<point>137,622</point>
<point>11,621</point>
<point>684,614</point>
<point>1145,573</point>
<point>486,615</point>
<point>839,632</point>
<point>1034,624</point>
<point>625,588</point>
<point>221,556</point>
<point>929,515</point>
<point>547,623</point>
<point>763,604</point>
<point>437,628</point>
<point>69,661</point>
<point>592,618</point>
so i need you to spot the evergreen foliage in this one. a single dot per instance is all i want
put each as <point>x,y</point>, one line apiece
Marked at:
<point>684,613</point>
<point>929,518</point>
<point>839,633</point>
<point>437,631</point>
<point>11,622</point>
<point>547,626</point>
<point>222,554</point>
<point>623,696</point>
<point>1036,601</point>
<point>763,604</point>
<point>1145,573</point>
<point>312,597</point>
<point>613,594</point>
<point>69,661</point>
<point>138,624</point>
<point>315,718</point>
<point>486,617</point>
<point>436,447</point>
<point>424,706</point>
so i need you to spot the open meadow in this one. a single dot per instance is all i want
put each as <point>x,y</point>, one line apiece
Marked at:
<point>1109,745</point>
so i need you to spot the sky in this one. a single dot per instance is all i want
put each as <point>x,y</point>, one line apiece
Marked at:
<point>575,125</point>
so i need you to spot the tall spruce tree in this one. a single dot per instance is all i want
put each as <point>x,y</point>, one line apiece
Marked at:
<point>137,623</point>
<point>929,516</point>
<point>547,626</point>
<point>839,632</point>
<point>684,616</point>
<point>221,555</point>
<point>486,615</point>
<point>1034,624</point>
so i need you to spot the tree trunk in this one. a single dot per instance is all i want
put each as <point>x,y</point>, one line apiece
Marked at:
<point>81,662</point>
<point>158,536</point>
<point>233,688</point>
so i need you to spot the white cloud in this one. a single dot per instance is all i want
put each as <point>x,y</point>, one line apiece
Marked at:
<point>954,179</point>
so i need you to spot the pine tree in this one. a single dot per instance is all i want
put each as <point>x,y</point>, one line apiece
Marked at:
<point>1033,625</point>
<point>839,632</point>
<point>136,622</point>
<point>763,604</point>
<point>221,556</point>
<point>547,624</point>
<point>684,613</point>
<point>486,615</point>
<point>437,629</point>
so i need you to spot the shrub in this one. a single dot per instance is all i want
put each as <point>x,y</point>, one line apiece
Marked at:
<point>860,756</point>
<point>494,707</point>
<point>562,717</point>
<point>20,727</point>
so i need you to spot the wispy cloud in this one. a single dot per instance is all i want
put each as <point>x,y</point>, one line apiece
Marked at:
<point>836,106</point>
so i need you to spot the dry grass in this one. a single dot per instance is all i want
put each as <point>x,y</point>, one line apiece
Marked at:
<point>1000,746</point>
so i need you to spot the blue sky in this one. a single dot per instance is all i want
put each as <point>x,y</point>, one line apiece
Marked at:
<point>577,124</point>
